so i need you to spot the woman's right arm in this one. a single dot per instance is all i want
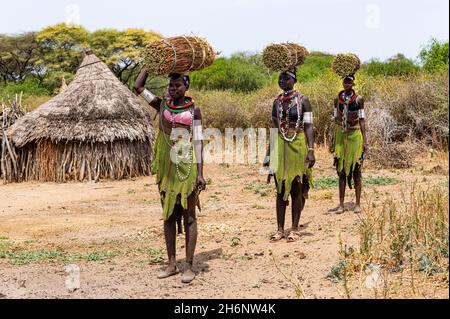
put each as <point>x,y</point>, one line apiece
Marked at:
<point>139,88</point>
<point>331,132</point>
<point>274,125</point>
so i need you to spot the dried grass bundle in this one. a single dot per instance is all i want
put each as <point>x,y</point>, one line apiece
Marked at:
<point>178,55</point>
<point>346,64</point>
<point>284,56</point>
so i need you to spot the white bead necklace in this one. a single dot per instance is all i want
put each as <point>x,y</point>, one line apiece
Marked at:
<point>347,99</point>
<point>280,118</point>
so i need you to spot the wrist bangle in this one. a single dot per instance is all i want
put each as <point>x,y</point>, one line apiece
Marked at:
<point>311,149</point>
<point>148,96</point>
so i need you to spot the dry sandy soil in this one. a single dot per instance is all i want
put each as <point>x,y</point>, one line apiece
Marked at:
<point>115,229</point>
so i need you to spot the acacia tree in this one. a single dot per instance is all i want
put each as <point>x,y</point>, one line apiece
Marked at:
<point>62,46</point>
<point>19,57</point>
<point>57,51</point>
<point>121,50</point>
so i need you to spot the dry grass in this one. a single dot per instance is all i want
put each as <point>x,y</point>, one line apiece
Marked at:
<point>346,64</point>
<point>178,55</point>
<point>284,56</point>
<point>33,102</point>
<point>403,246</point>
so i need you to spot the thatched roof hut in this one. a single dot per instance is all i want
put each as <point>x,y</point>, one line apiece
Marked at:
<point>96,128</point>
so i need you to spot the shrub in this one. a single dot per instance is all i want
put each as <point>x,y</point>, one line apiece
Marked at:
<point>435,55</point>
<point>52,82</point>
<point>238,73</point>
<point>29,87</point>
<point>316,64</point>
<point>398,65</point>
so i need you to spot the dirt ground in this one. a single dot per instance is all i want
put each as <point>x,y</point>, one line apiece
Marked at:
<point>116,228</point>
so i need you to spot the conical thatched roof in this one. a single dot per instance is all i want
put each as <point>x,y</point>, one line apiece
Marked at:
<point>95,107</point>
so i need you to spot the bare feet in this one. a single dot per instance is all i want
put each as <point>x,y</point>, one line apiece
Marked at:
<point>340,210</point>
<point>357,209</point>
<point>188,276</point>
<point>168,272</point>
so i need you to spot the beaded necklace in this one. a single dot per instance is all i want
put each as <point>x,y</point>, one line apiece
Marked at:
<point>189,101</point>
<point>172,112</point>
<point>191,155</point>
<point>346,100</point>
<point>283,124</point>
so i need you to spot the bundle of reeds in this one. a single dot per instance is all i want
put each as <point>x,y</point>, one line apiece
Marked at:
<point>284,56</point>
<point>178,55</point>
<point>346,64</point>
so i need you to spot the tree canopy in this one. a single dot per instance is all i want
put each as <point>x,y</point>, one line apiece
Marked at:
<point>57,51</point>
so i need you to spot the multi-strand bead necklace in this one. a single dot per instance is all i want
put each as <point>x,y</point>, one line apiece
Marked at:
<point>283,123</point>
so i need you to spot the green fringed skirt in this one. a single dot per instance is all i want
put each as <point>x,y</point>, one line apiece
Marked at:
<point>288,161</point>
<point>348,150</point>
<point>171,187</point>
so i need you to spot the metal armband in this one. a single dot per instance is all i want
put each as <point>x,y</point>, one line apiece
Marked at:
<point>308,118</point>
<point>148,96</point>
<point>198,131</point>
<point>361,114</point>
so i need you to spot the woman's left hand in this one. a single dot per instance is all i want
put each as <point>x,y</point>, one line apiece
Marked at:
<point>201,183</point>
<point>311,159</point>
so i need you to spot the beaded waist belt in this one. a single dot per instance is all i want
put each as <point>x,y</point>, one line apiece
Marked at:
<point>292,131</point>
<point>351,128</point>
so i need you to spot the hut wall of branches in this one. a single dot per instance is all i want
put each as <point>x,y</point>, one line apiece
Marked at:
<point>95,129</point>
<point>47,161</point>
<point>10,113</point>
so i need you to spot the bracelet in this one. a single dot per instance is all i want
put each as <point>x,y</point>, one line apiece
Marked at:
<point>148,96</point>
<point>311,149</point>
<point>308,117</point>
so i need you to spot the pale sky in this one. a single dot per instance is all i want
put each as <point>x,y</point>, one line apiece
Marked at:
<point>369,28</point>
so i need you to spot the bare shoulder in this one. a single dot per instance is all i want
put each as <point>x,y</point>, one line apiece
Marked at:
<point>306,104</point>
<point>305,99</point>
<point>360,99</point>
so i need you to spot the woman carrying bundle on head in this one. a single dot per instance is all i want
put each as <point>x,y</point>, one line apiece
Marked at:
<point>349,141</point>
<point>292,157</point>
<point>178,162</point>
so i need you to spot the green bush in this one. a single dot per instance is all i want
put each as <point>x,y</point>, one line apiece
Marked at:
<point>398,65</point>
<point>53,81</point>
<point>315,65</point>
<point>29,87</point>
<point>435,55</point>
<point>239,73</point>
